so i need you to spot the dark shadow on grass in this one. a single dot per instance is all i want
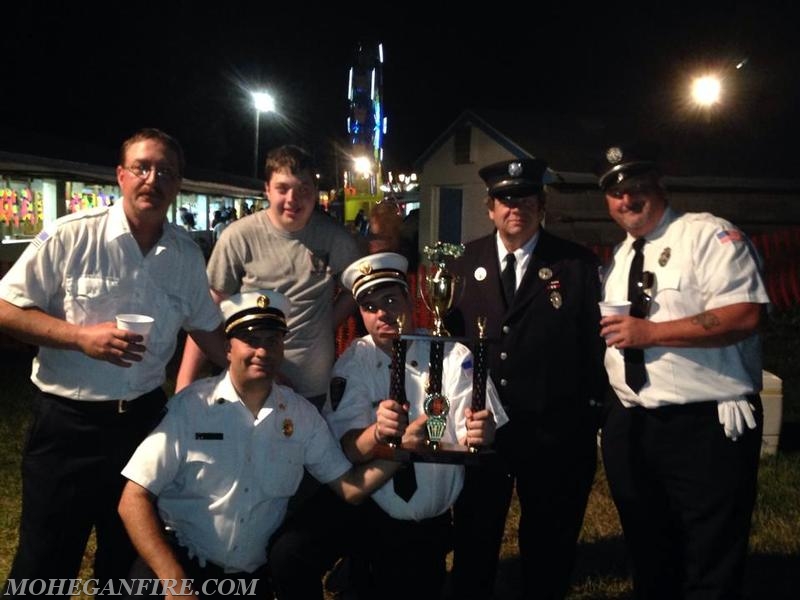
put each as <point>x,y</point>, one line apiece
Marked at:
<point>768,576</point>
<point>606,558</point>
<point>603,560</point>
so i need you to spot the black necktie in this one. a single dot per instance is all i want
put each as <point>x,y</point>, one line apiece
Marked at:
<point>405,481</point>
<point>635,373</point>
<point>509,278</point>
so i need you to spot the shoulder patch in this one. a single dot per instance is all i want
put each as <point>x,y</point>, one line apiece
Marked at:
<point>41,238</point>
<point>467,363</point>
<point>729,235</point>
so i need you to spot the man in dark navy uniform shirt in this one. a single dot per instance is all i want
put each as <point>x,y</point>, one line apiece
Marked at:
<point>539,294</point>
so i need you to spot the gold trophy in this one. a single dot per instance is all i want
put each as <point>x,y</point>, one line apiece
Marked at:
<point>440,290</point>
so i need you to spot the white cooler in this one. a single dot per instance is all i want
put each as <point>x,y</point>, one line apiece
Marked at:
<point>772,399</point>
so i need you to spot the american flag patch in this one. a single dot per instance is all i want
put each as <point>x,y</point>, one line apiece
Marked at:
<point>729,235</point>
<point>41,238</point>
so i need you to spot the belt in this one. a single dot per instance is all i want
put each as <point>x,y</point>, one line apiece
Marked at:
<point>112,407</point>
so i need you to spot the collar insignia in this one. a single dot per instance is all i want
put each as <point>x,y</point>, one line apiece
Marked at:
<point>664,258</point>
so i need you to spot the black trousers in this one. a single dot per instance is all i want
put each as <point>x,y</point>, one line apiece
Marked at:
<point>553,470</point>
<point>210,580</point>
<point>394,559</point>
<point>321,530</point>
<point>406,559</point>
<point>71,482</point>
<point>685,496</point>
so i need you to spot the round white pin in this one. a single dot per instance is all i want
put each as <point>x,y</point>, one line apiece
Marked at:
<point>480,274</point>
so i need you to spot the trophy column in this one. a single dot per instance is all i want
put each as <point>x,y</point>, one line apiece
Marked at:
<point>480,369</point>
<point>440,289</point>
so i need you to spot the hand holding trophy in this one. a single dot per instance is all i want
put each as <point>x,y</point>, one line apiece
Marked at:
<point>439,369</point>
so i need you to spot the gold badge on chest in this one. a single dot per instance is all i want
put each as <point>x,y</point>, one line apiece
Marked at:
<point>554,288</point>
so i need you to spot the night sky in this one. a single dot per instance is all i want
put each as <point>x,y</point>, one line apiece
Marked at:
<point>78,80</point>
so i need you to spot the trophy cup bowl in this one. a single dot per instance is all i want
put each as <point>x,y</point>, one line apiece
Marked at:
<point>440,289</point>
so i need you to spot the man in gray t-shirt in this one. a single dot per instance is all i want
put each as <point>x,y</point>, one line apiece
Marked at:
<point>292,248</point>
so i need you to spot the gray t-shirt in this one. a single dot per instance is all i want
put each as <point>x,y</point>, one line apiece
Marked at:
<point>251,254</point>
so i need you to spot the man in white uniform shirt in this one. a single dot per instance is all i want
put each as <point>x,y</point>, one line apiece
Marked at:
<point>681,444</point>
<point>219,469</point>
<point>415,533</point>
<point>99,387</point>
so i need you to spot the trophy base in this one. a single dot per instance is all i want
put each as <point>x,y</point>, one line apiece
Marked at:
<point>442,453</point>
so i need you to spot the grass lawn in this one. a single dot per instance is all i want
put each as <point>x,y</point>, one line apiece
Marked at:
<point>773,570</point>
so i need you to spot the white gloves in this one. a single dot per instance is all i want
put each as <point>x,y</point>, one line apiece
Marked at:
<point>733,414</point>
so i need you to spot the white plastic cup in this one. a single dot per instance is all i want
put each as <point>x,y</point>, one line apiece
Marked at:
<point>616,307</point>
<point>140,324</point>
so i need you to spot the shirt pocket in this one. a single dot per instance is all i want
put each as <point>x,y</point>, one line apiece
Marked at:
<point>668,280</point>
<point>319,261</point>
<point>206,473</point>
<point>667,290</point>
<point>90,299</point>
<point>283,468</point>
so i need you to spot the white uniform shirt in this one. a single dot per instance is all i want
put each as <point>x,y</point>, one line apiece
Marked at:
<point>700,262</point>
<point>366,370</point>
<point>86,268</point>
<point>224,479</point>
<point>522,256</point>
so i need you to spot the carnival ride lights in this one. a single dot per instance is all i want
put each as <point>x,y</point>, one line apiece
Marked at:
<point>362,165</point>
<point>403,183</point>
<point>366,124</point>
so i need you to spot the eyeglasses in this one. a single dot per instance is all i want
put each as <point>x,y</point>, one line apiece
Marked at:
<point>144,171</point>
<point>640,306</point>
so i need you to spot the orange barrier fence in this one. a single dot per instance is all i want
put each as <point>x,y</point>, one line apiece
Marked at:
<point>348,330</point>
<point>780,252</point>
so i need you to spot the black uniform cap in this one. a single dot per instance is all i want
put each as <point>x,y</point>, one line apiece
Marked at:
<point>510,179</point>
<point>624,161</point>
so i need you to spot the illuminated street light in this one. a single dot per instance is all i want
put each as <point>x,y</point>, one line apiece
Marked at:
<point>263,102</point>
<point>707,90</point>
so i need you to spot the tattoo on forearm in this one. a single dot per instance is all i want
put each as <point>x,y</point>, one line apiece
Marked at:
<point>706,320</point>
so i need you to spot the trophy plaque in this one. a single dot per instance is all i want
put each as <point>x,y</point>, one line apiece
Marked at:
<point>440,290</point>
